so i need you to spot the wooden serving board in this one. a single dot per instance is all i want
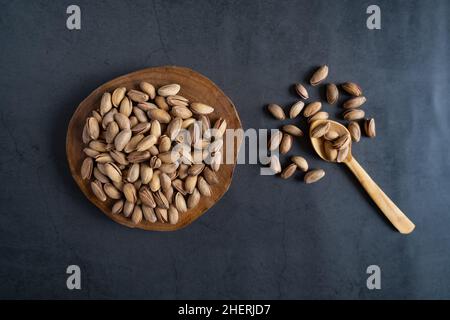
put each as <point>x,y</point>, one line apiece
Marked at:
<point>195,87</point>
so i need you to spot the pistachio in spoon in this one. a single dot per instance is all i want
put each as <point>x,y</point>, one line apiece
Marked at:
<point>331,140</point>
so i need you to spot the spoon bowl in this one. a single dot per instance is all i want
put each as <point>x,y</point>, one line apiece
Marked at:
<point>318,143</point>
<point>398,219</point>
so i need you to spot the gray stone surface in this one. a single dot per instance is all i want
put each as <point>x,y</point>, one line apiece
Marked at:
<point>267,238</point>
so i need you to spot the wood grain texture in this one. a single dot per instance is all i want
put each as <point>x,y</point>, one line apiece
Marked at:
<point>195,87</point>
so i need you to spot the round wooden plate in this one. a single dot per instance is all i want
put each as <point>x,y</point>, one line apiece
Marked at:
<point>195,87</point>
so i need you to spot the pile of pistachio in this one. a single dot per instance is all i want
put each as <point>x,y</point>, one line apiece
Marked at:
<point>152,152</point>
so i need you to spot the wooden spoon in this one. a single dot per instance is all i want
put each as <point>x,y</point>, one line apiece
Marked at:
<point>389,209</point>
<point>195,87</point>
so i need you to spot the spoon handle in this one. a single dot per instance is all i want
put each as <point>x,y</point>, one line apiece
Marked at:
<point>389,209</point>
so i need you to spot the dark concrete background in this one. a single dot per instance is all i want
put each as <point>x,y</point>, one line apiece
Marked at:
<point>266,238</point>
